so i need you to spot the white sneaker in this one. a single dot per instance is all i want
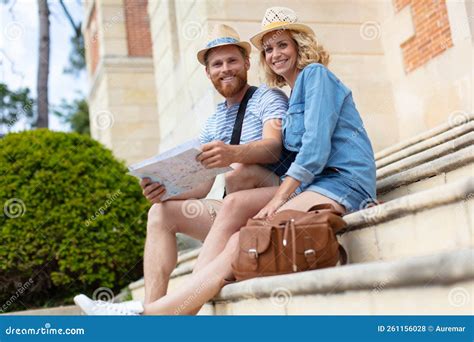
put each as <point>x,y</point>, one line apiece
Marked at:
<point>101,308</point>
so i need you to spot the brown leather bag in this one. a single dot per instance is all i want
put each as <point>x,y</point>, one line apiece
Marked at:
<point>291,241</point>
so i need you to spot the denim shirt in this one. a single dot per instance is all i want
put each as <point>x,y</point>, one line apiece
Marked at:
<point>325,129</point>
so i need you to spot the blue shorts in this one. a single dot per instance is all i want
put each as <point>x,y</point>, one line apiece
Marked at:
<point>332,184</point>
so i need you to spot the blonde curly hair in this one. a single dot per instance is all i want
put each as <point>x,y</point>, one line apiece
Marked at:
<point>309,51</point>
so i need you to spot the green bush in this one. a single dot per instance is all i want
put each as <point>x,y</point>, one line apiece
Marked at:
<point>72,219</point>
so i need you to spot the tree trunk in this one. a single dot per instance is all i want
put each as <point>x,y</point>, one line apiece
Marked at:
<point>43,64</point>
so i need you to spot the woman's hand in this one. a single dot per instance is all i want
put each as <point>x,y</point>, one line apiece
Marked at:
<point>284,193</point>
<point>271,207</point>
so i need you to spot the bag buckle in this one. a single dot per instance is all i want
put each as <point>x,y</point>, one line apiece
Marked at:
<point>309,252</point>
<point>253,253</point>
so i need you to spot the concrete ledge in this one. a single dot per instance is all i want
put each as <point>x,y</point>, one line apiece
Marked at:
<point>421,137</point>
<point>445,268</point>
<point>427,155</point>
<point>69,310</point>
<point>432,168</point>
<point>411,204</point>
<point>188,255</point>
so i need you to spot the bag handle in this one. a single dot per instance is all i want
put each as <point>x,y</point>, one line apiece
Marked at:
<point>322,206</point>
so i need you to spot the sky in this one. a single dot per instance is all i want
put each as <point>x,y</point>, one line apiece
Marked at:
<point>19,30</point>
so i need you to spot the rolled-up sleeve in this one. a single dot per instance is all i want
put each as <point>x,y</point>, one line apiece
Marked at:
<point>273,105</point>
<point>323,100</point>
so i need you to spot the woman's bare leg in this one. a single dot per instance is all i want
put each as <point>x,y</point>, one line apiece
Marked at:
<point>236,209</point>
<point>202,286</point>
<point>308,199</point>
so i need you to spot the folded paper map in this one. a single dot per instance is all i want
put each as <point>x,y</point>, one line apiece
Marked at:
<point>177,169</point>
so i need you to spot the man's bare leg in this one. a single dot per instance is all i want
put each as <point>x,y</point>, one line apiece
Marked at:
<point>200,288</point>
<point>245,177</point>
<point>168,218</point>
<point>165,220</point>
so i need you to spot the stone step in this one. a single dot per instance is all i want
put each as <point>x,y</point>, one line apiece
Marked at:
<point>437,157</point>
<point>457,144</point>
<point>438,284</point>
<point>435,284</point>
<point>457,125</point>
<point>430,221</point>
<point>423,176</point>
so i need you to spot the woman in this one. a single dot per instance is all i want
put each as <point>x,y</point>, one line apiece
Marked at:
<point>333,163</point>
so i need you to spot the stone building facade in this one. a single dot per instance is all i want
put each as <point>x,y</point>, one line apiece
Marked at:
<point>409,64</point>
<point>122,94</point>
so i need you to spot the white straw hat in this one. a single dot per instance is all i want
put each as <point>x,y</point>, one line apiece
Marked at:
<point>222,35</point>
<point>278,18</point>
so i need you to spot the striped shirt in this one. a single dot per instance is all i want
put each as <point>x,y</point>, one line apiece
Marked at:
<point>265,104</point>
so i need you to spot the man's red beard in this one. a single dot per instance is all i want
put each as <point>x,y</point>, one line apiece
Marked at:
<point>231,89</point>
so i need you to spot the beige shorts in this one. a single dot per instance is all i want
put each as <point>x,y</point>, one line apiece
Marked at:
<point>212,207</point>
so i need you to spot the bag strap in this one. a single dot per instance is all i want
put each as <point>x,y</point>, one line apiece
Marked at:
<point>342,255</point>
<point>239,120</point>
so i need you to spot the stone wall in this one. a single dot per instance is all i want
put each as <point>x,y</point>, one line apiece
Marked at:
<point>122,96</point>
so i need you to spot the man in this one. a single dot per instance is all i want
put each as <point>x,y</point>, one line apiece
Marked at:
<point>226,59</point>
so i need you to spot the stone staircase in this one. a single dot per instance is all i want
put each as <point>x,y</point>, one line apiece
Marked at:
<point>412,254</point>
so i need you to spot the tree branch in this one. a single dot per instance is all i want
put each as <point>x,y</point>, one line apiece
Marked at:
<point>76,28</point>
